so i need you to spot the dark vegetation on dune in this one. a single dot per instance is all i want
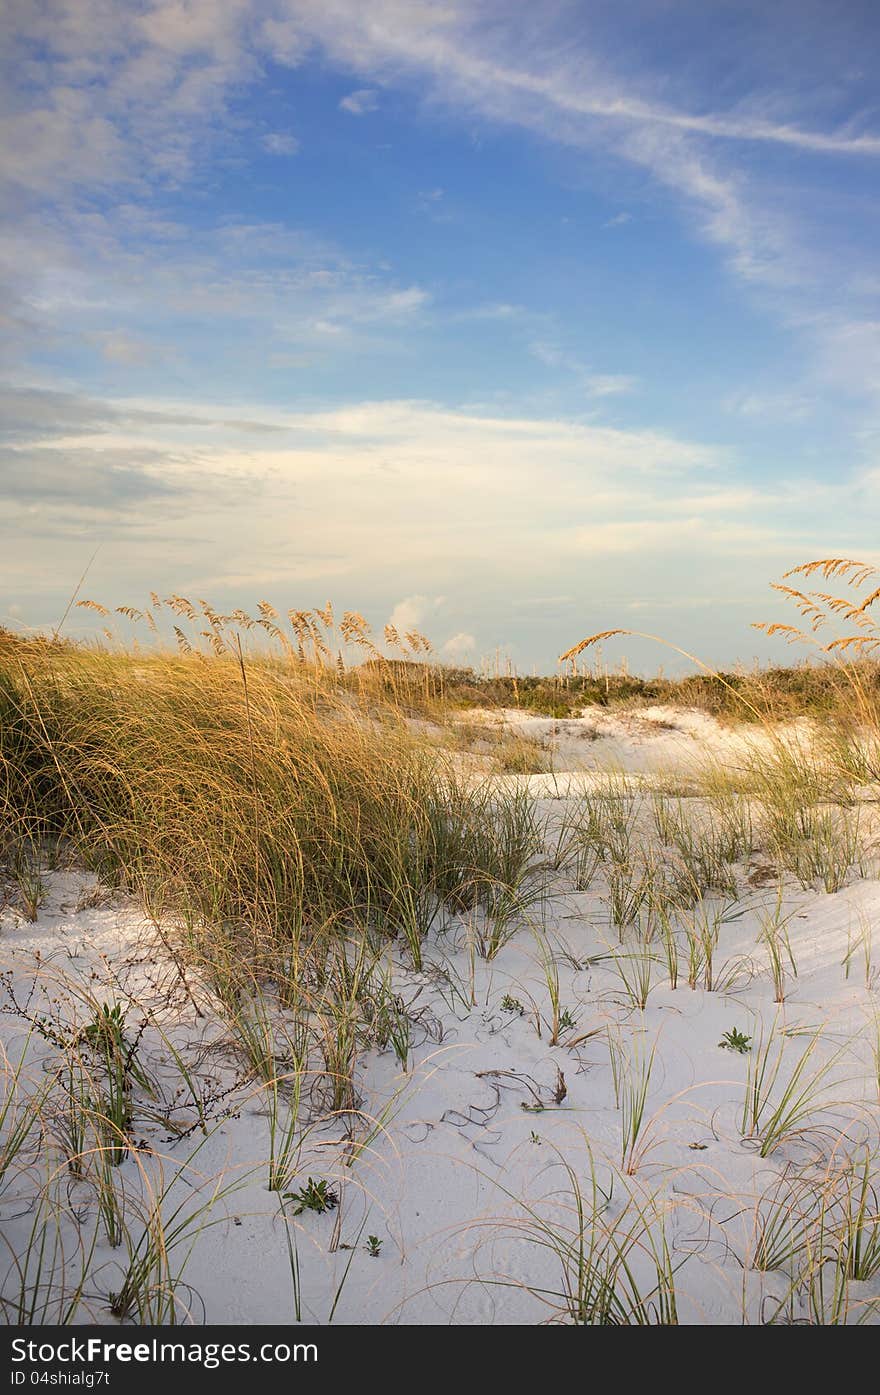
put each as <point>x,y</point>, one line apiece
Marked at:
<point>776,693</point>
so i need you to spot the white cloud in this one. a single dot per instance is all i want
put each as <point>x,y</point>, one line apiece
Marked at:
<point>405,301</point>
<point>459,647</point>
<point>851,352</point>
<point>412,612</point>
<point>280,143</point>
<point>595,384</point>
<point>47,147</point>
<point>431,204</point>
<point>97,274</point>
<point>136,78</point>
<point>284,40</point>
<point>359,103</point>
<point>380,462</point>
<point>610,384</point>
<point>492,310</point>
<point>771,406</point>
<point>664,536</point>
<point>116,96</point>
<point>121,347</point>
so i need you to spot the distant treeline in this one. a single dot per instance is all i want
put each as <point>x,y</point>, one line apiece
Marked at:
<point>775,692</point>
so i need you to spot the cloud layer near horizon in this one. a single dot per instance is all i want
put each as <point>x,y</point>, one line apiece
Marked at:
<point>350,501</point>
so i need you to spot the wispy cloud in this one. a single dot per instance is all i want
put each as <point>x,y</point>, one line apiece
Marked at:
<point>610,384</point>
<point>113,102</point>
<point>118,346</point>
<point>361,102</point>
<point>93,282</point>
<point>280,143</point>
<point>593,384</point>
<point>771,406</point>
<point>109,482</point>
<point>571,94</point>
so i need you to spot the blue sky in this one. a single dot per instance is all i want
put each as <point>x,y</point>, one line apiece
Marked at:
<point>507,322</point>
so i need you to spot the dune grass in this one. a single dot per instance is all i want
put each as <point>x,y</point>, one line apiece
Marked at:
<point>295,839</point>
<point>261,800</point>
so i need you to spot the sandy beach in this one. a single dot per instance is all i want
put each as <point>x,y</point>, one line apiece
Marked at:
<point>551,1072</point>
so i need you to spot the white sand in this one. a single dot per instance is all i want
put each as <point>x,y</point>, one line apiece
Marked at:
<point>464,1168</point>
<point>659,740</point>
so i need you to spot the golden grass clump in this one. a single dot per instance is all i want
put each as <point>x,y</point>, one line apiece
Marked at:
<point>232,791</point>
<point>262,800</point>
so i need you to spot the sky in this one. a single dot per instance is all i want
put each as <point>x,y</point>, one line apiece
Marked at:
<point>506,322</point>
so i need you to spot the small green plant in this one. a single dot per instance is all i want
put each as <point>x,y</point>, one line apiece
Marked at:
<point>614,1269</point>
<point>31,889</point>
<point>703,922</point>
<point>631,1067</point>
<point>774,1116</point>
<point>705,854</point>
<point>858,1230</point>
<point>389,1022</point>
<point>668,937</point>
<point>560,1019</point>
<point>774,934</point>
<point>110,1201</point>
<point>373,1246</point>
<point>511,1004</point>
<point>106,1028</point>
<point>636,969</point>
<point>785,1219</point>
<point>522,755</point>
<point>284,1096</point>
<point>20,1113</point>
<point>151,1280</point>
<point>628,893</point>
<point>735,1040</point>
<point>105,1036</point>
<point>862,941</point>
<point>580,843</point>
<point>314,1196</point>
